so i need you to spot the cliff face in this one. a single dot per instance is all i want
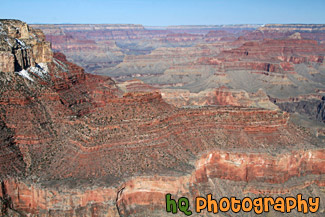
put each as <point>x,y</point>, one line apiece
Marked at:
<point>22,47</point>
<point>76,144</point>
<point>223,173</point>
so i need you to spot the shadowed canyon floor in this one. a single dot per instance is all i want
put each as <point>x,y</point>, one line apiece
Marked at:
<point>207,114</point>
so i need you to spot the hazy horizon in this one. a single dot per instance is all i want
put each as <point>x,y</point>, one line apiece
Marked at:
<point>166,26</point>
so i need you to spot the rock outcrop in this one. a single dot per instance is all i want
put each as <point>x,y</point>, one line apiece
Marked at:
<point>22,47</point>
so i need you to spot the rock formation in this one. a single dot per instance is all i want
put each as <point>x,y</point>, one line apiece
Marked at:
<point>22,47</point>
<point>77,144</point>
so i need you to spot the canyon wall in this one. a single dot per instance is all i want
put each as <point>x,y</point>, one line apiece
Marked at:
<point>78,144</point>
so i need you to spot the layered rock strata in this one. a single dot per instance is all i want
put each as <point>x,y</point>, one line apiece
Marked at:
<point>76,144</point>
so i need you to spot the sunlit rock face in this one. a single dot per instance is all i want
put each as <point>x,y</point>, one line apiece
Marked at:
<point>22,46</point>
<point>78,144</point>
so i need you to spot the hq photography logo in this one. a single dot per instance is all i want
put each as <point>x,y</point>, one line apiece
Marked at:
<point>258,205</point>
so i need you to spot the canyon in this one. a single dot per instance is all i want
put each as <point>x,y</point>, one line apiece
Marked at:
<point>186,110</point>
<point>189,64</point>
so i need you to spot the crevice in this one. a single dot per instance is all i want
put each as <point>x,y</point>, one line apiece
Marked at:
<point>18,67</point>
<point>119,193</point>
<point>5,200</point>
